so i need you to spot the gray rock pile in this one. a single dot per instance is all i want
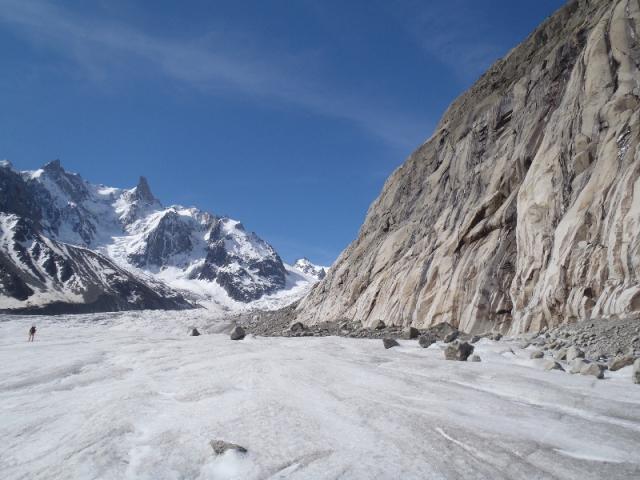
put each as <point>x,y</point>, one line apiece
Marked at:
<point>598,339</point>
<point>589,348</point>
<point>282,323</point>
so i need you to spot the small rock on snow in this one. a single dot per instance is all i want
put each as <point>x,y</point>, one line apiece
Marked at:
<point>594,369</point>
<point>621,361</point>
<point>425,341</point>
<point>389,343</point>
<point>552,365</point>
<point>577,364</point>
<point>220,446</point>
<point>458,351</point>
<point>412,333</point>
<point>237,333</point>
<point>379,325</point>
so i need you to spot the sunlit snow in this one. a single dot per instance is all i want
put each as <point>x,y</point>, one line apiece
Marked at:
<point>130,395</point>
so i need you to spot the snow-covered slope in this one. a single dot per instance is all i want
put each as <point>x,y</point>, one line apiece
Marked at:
<point>41,275</point>
<point>210,259</point>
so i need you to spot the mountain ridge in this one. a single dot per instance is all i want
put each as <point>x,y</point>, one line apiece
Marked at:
<point>183,250</point>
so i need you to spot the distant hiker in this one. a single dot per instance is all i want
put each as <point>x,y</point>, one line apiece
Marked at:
<point>32,333</point>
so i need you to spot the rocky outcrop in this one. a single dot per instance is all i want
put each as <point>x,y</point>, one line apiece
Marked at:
<point>242,263</point>
<point>170,236</point>
<point>523,208</point>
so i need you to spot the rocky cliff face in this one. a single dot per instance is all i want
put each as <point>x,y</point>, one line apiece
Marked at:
<point>523,208</point>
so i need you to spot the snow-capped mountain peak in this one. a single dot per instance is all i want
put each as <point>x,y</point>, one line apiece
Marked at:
<point>305,266</point>
<point>186,248</point>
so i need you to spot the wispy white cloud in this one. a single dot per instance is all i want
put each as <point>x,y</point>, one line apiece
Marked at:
<point>453,32</point>
<point>96,44</point>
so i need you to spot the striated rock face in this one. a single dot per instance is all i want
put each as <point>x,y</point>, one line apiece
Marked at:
<point>523,208</point>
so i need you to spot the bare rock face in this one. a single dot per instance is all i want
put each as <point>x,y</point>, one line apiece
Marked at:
<point>523,209</point>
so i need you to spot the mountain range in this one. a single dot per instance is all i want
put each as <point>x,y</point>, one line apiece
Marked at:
<point>68,245</point>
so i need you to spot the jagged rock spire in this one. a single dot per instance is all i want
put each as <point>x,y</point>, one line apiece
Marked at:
<point>53,165</point>
<point>143,191</point>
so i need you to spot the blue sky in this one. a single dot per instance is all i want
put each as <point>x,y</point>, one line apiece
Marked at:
<point>286,115</point>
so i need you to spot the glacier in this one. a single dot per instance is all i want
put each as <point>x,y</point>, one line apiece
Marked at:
<point>131,396</point>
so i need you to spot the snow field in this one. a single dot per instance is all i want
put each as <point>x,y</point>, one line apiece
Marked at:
<point>124,396</point>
